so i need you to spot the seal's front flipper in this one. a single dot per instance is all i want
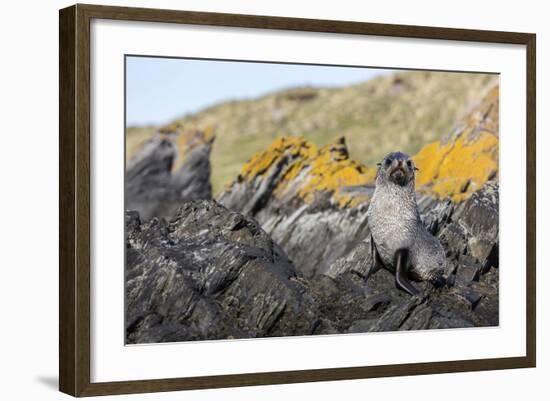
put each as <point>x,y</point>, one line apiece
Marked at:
<point>376,261</point>
<point>401,269</point>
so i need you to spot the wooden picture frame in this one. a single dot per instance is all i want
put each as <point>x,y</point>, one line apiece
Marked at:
<point>74,199</point>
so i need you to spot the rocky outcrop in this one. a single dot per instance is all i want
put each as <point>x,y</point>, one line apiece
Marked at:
<point>169,169</point>
<point>299,194</point>
<point>285,248</point>
<point>469,233</point>
<point>210,274</point>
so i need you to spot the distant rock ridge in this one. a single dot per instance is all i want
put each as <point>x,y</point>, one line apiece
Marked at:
<point>401,110</point>
<point>169,169</point>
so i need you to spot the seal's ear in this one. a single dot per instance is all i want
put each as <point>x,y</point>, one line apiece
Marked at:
<point>416,168</point>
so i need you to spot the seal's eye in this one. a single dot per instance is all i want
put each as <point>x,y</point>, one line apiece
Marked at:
<point>387,162</point>
<point>409,164</point>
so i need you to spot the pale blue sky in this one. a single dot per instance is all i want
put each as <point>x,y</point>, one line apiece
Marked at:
<point>159,90</point>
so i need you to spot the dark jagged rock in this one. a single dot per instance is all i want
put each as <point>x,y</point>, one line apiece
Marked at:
<point>471,296</point>
<point>210,274</point>
<point>169,169</point>
<point>479,217</point>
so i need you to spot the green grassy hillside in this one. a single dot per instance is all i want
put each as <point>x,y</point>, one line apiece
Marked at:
<point>402,111</point>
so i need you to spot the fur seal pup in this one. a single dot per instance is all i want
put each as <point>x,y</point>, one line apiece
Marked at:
<point>399,240</point>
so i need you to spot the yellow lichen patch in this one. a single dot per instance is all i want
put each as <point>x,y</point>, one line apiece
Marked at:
<point>459,169</point>
<point>307,171</point>
<point>290,147</point>
<point>461,166</point>
<point>189,138</point>
<point>186,140</point>
<point>428,160</point>
<point>169,129</point>
<point>330,171</point>
<point>467,167</point>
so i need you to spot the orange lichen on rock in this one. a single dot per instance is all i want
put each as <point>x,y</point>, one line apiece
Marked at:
<point>330,171</point>
<point>454,167</point>
<point>304,171</point>
<point>463,163</point>
<point>289,148</point>
<point>186,140</point>
<point>457,169</point>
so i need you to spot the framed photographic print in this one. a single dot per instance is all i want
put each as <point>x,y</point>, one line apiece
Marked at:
<point>250,200</point>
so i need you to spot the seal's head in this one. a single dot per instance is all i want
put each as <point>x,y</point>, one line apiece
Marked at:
<point>397,168</point>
